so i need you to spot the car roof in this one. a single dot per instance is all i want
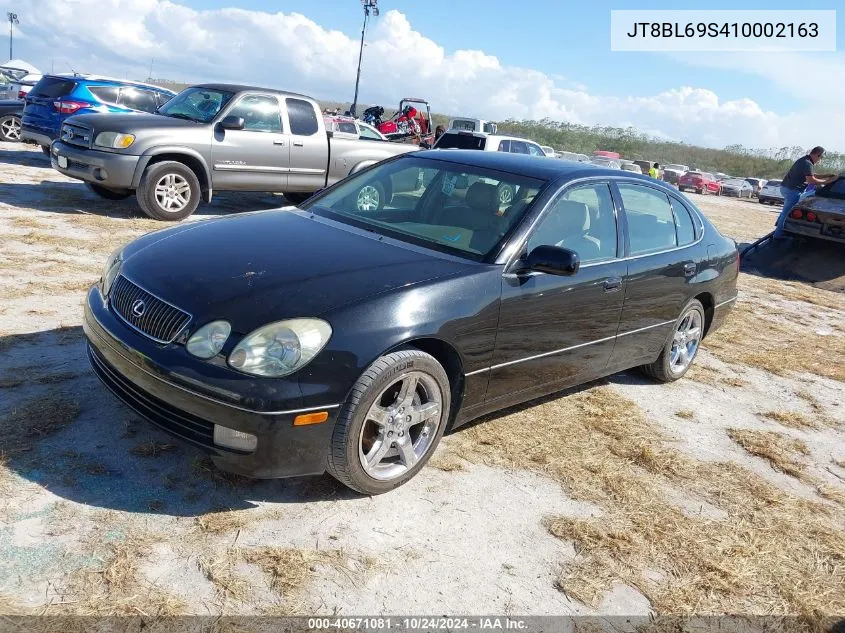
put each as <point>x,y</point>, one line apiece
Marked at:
<point>124,82</point>
<point>543,167</point>
<point>245,88</point>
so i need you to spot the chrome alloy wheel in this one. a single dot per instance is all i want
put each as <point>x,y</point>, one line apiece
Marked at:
<point>368,199</point>
<point>11,128</point>
<point>172,193</point>
<point>685,341</point>
<point>400,427</point>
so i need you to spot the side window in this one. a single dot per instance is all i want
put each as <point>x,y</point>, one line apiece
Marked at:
<point>535,150</point>
<point>504,146</point>
<point>106,94</point>
<point>143,100</point>
<point>684,223</point>
<point>259,112</point>
<point>651,223</point>
<point>368,133</point>
<point>582,220</point>
<point>162,98</point>
<point>519,147</point>
<point>303,118</point>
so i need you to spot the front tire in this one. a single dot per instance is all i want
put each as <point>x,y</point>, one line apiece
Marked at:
<point>169,191</point>
<point>108,194</point>
<point>681,348</point>
<point>10,129</point>
<point>391,422</point>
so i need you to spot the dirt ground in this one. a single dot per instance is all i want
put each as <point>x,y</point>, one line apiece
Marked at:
<point>721,493</point>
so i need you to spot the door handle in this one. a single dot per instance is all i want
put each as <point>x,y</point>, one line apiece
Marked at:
<point>689,269</point>
<point>611,284</point>
<point>297,143</point>
<point>278,142</point>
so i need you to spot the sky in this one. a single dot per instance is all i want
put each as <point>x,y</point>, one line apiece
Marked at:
<point>529,60</point>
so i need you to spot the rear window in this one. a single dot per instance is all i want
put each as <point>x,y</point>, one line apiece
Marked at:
<point>106,94</point>
<point>773,183</point>
<point>833,190</point>
<point>303,118</point>
<point>694,173</point>
<point>139,99</point>
<point>52,87</point>
<point>460,141</point>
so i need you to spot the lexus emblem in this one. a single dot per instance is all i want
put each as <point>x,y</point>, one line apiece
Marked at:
<point>138,308</point>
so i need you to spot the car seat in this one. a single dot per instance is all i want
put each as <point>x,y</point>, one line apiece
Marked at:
<point>566,225</point>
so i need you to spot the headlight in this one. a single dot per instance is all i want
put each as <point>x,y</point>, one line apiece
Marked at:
<point>114,140</point>
<point>280,348</point>
<point>112,268</point>
<point>207,341</point>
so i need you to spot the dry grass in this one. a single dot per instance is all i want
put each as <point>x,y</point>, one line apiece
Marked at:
<point>203,467</point>
<point>811,400</point>
<point>785,454</point>
<point>791,290</point>
<point>151,449</point>
<point>710,376</point>
<point>220,571</point>
<point>792,419</point>
<point>445,462</point>
<point>17,376</point>
<point>772,553</point>
<point>222,522</point>
<point>289,569</point>
<point>35,419</point>
<point>685,414</point>
<point>775,346</point>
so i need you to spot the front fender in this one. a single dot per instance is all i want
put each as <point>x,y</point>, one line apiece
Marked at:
<point>174,150</point>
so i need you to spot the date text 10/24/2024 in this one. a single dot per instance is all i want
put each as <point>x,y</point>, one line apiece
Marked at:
<point>418,623</point>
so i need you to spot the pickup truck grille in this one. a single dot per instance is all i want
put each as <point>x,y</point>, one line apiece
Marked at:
<point>74,134</point>
<point>145,312</point>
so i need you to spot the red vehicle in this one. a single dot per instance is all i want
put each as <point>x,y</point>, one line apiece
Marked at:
<point>700,182</point>
<point>606,154</point>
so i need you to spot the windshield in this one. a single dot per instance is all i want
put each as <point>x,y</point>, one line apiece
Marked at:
<point>449,207</point>
<point>196,104</point>
<point>773,183</point>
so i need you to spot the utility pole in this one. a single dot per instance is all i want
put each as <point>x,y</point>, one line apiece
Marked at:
<point>13,19</point>
<point>369,5</point>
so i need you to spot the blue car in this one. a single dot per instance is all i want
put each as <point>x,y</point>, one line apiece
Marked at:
<point>56,97</point>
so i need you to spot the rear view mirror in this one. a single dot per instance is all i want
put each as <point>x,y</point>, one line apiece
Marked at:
<point>553,260</point>
<point>232,122</point>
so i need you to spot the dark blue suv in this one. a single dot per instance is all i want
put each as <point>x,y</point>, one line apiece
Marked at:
<point>56,97</point>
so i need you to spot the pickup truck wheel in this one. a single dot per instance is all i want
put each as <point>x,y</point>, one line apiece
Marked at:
<point>108,194</point>
<point>10,129</point>
<point>371,197</point>
<point>169,191</point>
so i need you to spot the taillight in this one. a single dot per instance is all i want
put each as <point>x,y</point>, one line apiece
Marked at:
<point>69,107</point>
<point>810,217</point>
<point>21,94</point>
<point>797,214</point>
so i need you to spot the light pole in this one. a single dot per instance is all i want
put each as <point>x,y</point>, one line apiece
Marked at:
<point>369,5</point>
<point>13,19</point>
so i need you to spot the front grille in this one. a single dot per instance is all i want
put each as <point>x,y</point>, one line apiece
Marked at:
<point>175,421</point>
<point>74,134</point>
<point>145,312</point>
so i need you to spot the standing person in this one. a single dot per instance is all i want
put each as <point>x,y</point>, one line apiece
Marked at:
<point>654,172</point>
<point>795,182</point>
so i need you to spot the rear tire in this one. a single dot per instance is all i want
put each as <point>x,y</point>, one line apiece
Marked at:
<point>397,386</point>
<point>169,191</point>
<point>687,333</point>
<point>10,129</point>
<point>108,194</point>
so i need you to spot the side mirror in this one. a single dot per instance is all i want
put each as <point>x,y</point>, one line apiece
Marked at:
<point>232,122</point>
<point>553,260</point>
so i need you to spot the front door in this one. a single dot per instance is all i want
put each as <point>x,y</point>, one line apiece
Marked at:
<point>556,331</point>
<point>256,158</point>
<point>662,264</point>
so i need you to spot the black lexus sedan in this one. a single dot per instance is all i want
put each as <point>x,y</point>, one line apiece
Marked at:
<point>347,334</point>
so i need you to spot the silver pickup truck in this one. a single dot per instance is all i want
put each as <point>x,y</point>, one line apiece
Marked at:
<point>214,137</point>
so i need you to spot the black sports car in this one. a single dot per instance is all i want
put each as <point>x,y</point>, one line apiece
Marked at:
<point>341,337</point>
<point>10,120</point>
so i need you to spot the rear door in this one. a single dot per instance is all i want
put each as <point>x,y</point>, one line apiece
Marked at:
<point>309,151</point>
<point>257,157</point>
<point>662,263</point>
<point>39,113</point>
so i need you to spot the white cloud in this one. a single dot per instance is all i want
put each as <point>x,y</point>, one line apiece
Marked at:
<point>121,37</point>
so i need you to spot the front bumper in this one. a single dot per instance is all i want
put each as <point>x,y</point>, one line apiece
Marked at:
<point>108,169</point>
<point>127,363</point>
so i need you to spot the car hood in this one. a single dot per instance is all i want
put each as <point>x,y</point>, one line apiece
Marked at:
<point>256,268</point>
<point>130,121</point>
